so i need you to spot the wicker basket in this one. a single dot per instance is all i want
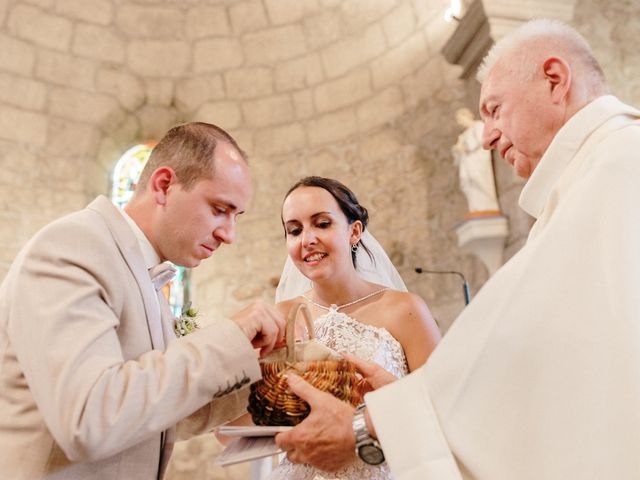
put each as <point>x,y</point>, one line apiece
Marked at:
<point>271,402</point>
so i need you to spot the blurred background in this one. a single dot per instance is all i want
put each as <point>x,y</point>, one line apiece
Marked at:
<point>364,91</point>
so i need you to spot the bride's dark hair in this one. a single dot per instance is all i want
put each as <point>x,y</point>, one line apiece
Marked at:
<point>347,201</point>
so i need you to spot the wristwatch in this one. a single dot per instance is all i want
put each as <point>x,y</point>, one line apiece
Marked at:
<point>367,447</point>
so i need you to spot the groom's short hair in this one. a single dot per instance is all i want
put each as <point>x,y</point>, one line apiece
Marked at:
<point>188,149</point>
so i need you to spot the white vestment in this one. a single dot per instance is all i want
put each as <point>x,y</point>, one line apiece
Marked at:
<point>539,377</point>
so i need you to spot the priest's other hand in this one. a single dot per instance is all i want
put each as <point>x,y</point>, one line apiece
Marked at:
<point>373,375</point>
<point>325,438</point>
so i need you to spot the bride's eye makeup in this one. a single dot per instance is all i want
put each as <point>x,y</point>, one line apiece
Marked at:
<point>293,228</point>
<point>294,231</point>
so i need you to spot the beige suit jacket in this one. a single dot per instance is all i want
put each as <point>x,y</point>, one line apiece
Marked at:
<point>90,386</point>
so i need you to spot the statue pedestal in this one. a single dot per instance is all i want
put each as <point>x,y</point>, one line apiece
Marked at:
<point>484,236</point>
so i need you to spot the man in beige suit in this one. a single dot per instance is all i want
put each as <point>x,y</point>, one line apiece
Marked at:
<point>93,381</point>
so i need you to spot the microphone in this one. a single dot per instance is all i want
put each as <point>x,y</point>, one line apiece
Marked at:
<point>465,285</point>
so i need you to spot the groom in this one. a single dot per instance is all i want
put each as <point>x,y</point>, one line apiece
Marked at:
<point>92,378</point>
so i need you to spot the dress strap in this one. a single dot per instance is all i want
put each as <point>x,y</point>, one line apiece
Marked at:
<point>334,308</point>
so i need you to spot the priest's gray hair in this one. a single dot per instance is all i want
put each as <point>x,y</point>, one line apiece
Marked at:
<point>544,37</point>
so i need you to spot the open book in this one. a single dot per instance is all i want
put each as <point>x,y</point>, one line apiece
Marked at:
<point>253,442</point>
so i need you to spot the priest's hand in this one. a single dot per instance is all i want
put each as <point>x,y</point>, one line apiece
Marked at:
<point>263,325</point>
<point>325,438</point>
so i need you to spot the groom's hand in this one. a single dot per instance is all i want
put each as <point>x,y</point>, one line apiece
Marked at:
<point>263,325</point>
<point>325,438</point>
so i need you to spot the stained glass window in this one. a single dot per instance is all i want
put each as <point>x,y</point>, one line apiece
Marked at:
<point>125,178</point>
<point>127,171</point>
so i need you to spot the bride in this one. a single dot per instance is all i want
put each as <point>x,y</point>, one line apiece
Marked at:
<point>356,296</point>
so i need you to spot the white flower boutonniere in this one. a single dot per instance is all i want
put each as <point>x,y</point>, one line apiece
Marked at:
<point>187,321</point>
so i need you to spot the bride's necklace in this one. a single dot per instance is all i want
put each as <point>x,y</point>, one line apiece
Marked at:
<point>333,308</point>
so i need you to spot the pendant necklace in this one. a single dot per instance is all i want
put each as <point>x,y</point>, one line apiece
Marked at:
<point>333,308</point>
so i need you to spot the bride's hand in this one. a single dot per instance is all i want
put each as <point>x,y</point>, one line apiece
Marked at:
<point>373,374</point>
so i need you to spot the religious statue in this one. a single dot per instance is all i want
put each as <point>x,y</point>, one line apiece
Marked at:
<point>474,166</point>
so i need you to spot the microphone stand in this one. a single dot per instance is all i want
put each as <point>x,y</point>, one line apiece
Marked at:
<point>465,285</point>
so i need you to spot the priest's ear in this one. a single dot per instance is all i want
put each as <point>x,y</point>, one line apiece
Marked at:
<point>557,72</point>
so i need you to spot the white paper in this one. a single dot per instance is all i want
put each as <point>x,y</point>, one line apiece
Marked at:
<point>244,449</point>
<point>250,430</point>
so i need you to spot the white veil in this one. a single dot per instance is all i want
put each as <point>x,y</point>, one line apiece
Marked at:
<point>379,270</point>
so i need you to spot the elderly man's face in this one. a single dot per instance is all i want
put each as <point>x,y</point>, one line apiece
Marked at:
<point>520,120</point>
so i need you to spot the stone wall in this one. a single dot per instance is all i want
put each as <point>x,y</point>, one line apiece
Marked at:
<point>307,87</point>
<point>352,89</point>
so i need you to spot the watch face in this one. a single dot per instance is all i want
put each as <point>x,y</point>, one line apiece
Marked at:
<point>371,454</point>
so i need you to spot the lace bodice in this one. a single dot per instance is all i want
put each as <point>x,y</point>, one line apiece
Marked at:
<point>344,334</point>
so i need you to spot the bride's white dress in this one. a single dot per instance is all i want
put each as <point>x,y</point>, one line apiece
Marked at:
<point>344,334</point>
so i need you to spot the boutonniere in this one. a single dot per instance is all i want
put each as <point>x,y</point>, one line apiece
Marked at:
<point>186,323</point>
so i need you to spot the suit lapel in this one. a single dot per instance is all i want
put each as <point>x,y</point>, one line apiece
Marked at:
<point>158,312</point>
<point>169,435</point>
<point>166,315</point>
<point>128,246</point>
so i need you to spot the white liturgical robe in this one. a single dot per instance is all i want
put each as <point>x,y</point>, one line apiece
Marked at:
<point>539,377</point>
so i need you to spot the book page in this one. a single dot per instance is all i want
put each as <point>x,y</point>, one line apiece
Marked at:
<point>250,430</point>
<point>244,449</point>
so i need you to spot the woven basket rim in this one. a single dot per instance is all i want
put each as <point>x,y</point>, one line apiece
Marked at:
<point>272,402</point>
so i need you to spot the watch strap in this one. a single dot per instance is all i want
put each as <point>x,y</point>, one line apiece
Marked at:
<point>364,440</point>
